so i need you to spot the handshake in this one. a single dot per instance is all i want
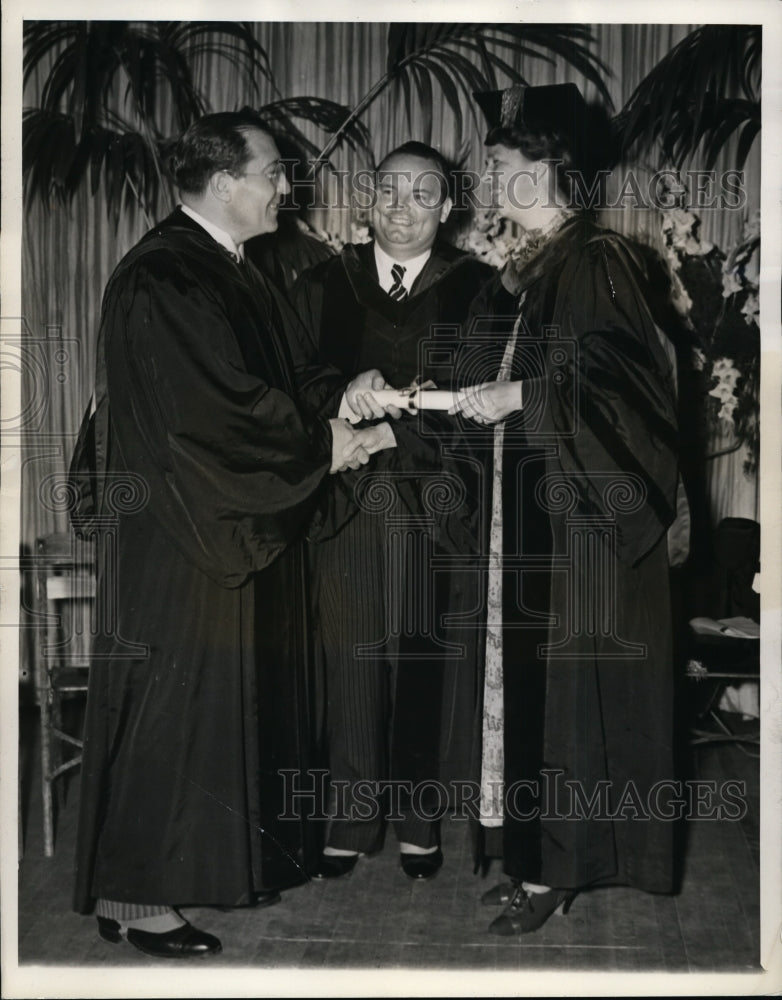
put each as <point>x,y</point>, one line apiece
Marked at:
<point>351,448</point>
<point>487,404</point>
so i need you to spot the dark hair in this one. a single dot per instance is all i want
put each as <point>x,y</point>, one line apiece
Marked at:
<point>581,150</point>
<point>424,152</point>
<point>214,142</point>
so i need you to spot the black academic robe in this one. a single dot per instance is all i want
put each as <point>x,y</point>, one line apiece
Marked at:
<point>200,689</point>
<point>589,487</point>
<point>354,325</point>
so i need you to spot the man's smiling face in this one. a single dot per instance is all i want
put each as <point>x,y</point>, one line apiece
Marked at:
<point>411,203</point>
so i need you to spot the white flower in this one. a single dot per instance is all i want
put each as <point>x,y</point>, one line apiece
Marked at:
<point>727,408</point>
<point>727,373</point>
<point>730,283</point>
<point>727,376</point>
<point>679,228</point>
<point>359,233</point>
<point>751,309</point>
<point>682,302</point>
<point>722,392</point>
<point>486,240</point>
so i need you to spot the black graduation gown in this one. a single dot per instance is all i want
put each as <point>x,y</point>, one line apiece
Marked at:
<point>200,695</point>
<point>589,486</point>
<point>354,325</point>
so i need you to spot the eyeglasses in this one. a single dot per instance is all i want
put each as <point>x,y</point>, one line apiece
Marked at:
<point>272,173</point>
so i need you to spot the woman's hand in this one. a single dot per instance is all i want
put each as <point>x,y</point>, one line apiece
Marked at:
<point>489,402</point>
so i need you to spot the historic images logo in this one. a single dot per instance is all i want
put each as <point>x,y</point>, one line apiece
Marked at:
<point>551,798</point>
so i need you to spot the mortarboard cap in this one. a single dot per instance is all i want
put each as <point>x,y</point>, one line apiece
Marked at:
<point>554,108</point>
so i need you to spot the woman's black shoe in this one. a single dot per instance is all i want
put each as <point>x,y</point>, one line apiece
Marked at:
<point>500,895</point>
<point>420,866</point>
<point>183,942</point>
<point>528,911</point>
<point>335,865</point>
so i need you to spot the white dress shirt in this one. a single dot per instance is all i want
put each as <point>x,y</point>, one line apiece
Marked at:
<point>222,237</point>
<point>413,268</point>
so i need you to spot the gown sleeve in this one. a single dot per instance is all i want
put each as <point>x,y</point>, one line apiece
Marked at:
<point>232,465</point>
<point>615,419</point>
<point>320,385</point>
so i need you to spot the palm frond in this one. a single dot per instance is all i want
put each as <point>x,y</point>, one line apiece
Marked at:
<point>232,41</point>
<point>327,115</point>
<point>449,90</point>
<point>41,38</point>
<point>425,99</point>
<point>48,147</point>
<point>702,92</point>
<point>57,160</point>
<point>420,56</point>
<point>107,83</point>
<point>559,43</point>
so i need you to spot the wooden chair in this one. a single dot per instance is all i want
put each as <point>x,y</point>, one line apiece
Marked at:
<point>64,569</point>
<point>718,656</point>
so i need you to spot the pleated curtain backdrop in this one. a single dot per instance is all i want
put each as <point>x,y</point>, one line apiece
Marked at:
<point>69,253</point>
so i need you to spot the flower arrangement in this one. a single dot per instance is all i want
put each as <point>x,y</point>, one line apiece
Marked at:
<point>494,240</point>
<point>488,239</point>
<point>720,302</point>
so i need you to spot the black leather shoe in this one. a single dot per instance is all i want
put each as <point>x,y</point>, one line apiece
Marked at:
<point>500,895</point>
<point>109,930</point>
<point>335,865</point>
<point>183,942</point>
<point>528,911</point>
<point>420,866</point>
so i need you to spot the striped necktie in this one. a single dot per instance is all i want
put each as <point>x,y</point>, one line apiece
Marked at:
<point>397,291</point>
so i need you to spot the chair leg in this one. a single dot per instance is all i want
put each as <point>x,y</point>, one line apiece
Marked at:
<point>19,820</point>
<point>46,780</point>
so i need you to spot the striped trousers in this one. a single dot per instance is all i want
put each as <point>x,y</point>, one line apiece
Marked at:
<point>353,599</point>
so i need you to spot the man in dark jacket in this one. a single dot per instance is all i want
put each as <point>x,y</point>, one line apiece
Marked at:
<point>400,690</point>
<point>209,470</point>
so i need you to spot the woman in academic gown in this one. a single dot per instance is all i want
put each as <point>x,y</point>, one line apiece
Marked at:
<point>577,716</point>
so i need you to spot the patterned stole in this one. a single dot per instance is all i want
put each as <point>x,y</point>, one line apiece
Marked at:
<point>492,749</point>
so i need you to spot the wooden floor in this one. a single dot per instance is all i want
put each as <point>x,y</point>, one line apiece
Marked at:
<point>378,919</point>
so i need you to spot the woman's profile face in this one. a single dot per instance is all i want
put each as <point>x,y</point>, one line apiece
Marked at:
<point>519,188</point>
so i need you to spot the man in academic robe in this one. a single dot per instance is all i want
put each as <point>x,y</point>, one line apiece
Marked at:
<point>400,691</point>
<point>213,469</point>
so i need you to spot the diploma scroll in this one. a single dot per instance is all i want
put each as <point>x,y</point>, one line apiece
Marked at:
<point>406,399</point>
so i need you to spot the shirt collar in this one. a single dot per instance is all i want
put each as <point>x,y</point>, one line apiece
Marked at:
<point>218,234</point>
<point>413,267</point>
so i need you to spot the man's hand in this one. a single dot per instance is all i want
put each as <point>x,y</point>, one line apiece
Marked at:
<point>377,437</point>
<point>351,448</point>
<point>360,401</point>
<point>347,450</point>
<point>489,402</point>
